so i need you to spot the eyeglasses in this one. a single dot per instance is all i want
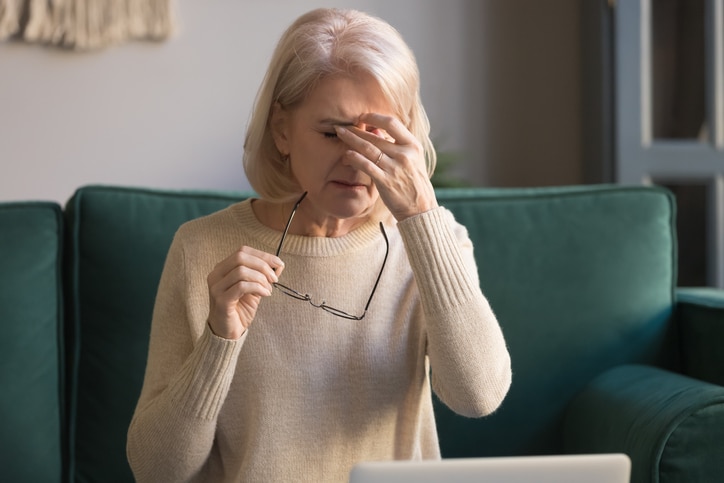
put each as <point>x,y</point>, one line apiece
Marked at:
<point>327,308</point>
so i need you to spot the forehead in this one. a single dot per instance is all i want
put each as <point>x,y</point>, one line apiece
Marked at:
<point>342,99</point>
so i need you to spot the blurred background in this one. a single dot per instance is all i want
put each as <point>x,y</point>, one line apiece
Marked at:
<point>501,81</point>
<point>519,93</point>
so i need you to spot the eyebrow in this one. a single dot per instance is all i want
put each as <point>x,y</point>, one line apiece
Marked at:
<point>336,122</point>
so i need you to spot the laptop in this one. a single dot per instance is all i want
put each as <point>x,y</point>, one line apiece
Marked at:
<point>590,468</point>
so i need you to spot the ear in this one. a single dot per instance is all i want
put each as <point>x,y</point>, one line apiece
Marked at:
<point>279,125</point>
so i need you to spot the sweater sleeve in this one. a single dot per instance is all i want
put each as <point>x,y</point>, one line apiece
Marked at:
<point>188,374</point>
<point>470,363</point>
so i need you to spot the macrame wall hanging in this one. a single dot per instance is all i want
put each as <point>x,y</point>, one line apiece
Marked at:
<point>85,24</point>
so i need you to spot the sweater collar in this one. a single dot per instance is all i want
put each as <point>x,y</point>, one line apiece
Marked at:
<point>357,239</point>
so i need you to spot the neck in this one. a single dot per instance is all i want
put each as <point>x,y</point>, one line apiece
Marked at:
<point>310,223</point>
<point>305,223</point>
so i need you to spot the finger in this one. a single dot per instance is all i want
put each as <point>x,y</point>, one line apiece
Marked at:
<point>368,149</point>
<point>369,145</point>
<point>258,260</point>
<point>372,168</point>
<point>239,282</point>
<point>271,260</point>
<point>225,302</point>
<point>393,126</point>
<point>272,265</point>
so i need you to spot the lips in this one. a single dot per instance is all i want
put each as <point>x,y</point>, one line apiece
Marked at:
<point>348,183</point>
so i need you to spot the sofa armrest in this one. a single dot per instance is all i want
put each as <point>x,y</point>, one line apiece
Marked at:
<point>701,325</point>
<point>670,425</point>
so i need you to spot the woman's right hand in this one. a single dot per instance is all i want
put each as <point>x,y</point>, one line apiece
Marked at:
<point>236,286</point>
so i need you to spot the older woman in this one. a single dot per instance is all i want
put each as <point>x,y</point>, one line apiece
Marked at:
<point>300,332</point>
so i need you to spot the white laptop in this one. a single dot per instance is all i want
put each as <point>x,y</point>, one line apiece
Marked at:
<point>594,468</point>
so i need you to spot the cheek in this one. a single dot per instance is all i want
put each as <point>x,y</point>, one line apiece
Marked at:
<point>313,155</point>
<point>310,162</point>
<point>323,153</point>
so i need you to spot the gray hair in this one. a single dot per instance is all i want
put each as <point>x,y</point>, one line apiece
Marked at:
<point>322,43</point>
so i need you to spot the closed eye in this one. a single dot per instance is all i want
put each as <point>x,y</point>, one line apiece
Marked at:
<point>330,135</point>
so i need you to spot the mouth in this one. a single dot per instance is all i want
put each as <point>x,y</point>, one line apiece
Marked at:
<point>348,184</point>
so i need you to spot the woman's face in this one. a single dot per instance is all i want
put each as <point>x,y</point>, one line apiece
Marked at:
<point>336,190</point>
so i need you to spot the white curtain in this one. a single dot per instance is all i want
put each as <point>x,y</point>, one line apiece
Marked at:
<point>85,24</point>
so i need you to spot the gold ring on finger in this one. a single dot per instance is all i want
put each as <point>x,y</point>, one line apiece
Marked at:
<point>379,158</point>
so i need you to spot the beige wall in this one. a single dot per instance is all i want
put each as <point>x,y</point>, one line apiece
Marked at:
<point>531,93</point>
<point>499,79</point>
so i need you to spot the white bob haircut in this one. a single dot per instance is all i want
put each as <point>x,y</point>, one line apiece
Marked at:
<point>321,43</point>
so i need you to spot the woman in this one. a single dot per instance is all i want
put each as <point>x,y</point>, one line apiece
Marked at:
<point>249,378</point>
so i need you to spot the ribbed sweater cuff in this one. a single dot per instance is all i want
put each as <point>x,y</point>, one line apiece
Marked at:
<point>434,253</point>
<point>206,376</point>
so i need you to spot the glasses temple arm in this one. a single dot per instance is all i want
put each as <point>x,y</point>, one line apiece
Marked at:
<point>384,262</point>
<point>289,222</point>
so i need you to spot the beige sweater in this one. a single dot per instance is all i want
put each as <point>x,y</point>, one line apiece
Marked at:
<point>304,395</point>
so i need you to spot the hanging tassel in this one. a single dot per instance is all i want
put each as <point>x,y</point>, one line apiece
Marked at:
<point>39,24</point>
<point>87,24</point>
<point>9,18</point>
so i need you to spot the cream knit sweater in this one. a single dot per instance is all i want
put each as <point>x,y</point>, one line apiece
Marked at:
<point>304,395</point>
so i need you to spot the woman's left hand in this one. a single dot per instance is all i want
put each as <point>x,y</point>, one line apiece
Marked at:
<point>396,163</point>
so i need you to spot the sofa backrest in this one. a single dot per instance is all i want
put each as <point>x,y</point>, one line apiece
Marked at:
<point>31,357</point>
<point>581,280</point>
<point>118,239</point>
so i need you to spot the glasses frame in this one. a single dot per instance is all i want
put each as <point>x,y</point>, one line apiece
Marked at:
<point>327,308</point>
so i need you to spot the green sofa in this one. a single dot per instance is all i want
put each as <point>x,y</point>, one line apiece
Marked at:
<point>608,354</point>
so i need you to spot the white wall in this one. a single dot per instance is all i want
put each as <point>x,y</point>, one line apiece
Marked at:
<point>173,115</point>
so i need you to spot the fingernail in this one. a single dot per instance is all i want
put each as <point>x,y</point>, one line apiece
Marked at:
<point>340,129</point>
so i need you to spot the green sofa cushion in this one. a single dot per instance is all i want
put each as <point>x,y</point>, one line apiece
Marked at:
<point>671,426</point>
<point>581,279</point>
<point>31,396</point>
<point>119,239</point>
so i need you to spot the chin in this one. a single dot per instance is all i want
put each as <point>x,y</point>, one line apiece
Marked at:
<point>359,207</point>
<point>351,212</point>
